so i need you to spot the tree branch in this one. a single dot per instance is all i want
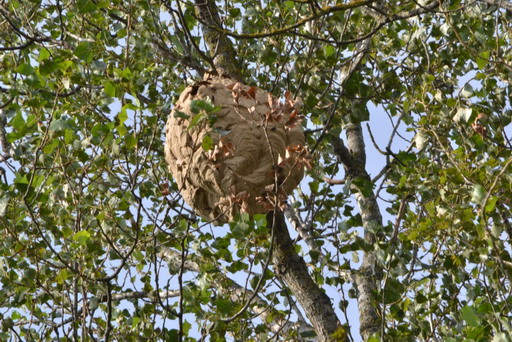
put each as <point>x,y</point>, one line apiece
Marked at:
<point>187,61</point>
<point>354,159</point>
<point>318,14</point>
<point>290,267</point>
<point>342,152</point>
<point>221,48</point>
<point>295,221</point>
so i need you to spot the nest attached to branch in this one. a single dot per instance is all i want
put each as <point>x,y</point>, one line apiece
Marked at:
<point>234,149</point>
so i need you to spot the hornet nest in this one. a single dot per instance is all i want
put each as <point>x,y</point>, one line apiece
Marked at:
<point>234,148</point>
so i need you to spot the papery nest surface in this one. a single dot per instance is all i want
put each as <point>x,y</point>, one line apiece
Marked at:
<point>233,148</point>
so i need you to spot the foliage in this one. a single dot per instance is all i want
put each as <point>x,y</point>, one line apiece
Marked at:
<point>97,244</point>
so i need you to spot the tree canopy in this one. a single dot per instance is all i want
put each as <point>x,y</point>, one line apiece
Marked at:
<point>400,232</point>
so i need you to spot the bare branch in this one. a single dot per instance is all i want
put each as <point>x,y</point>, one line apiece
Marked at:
<point>331,181</point>
<point>18,47</point>
<point>295,220</point>
<point>187,61</point>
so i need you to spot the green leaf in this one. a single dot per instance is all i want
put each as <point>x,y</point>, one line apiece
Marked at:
<point>17,122</point>
<point>225,306</point>
<point>43,54</point>
<point>121,129</point>
<point>478,194</point>
<point>25,69</point>
<point>110,89</point>
<point>81,237</point>
<point>360,113</point>
<point>483,59</point>
<point>289,4</point>
<point>48,67</point>
<point>176,44</point>
<point>491,204</point>
<point>62,276</point>
<point>180,115</point>
<point>172,335</point>
<point>100,130</point>
<point>329,50</point>
<point>69,136</point>
<point>21,179</point>
<point>364,185</point>
<point>84,51</point>
<point>122,116</point>
<point>4,202</point>
<point>469,315</point>
<point>51,146</point>
<point>234,12</point>
<point>122,33</point>
<point>86,6</point>
<point>196,119</point>
<point>393,291</point>
<point>131,141</point>
<point>58,125</point>
<point>467,91</point>
<point>64,65</point>
<point>207,143</point>
<point>127,74</point>
<point>463,115</point>
<point>197,105</point>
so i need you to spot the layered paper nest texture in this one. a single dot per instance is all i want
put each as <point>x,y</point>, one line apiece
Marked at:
<point>224,160</point>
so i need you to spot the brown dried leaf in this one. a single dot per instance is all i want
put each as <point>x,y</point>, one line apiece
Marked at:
<point>478,127</point>
<point>164,189</point>
<point>287,107</point>
<point>252,92</point>
<point>273,116</point>
<point>294,120</point>
<point>221,150</point>
<point>226,146</point>
<point>295,148</point>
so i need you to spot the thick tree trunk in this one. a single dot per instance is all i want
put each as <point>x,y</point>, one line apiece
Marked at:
<point>369,273</point>
<point>220,47</point>
<point>293,270</point>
